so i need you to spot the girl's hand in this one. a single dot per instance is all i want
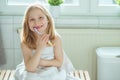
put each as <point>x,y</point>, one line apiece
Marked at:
<point>42,41</point>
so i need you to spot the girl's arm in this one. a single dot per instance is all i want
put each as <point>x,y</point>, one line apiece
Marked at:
<point>58,55</point>
<point>31,61</point>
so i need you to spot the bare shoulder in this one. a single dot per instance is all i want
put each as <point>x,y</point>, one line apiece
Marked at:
<point>58,39</point>
<point>23,45</point>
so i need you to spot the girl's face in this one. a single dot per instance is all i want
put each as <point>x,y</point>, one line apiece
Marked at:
<point>36,18</point>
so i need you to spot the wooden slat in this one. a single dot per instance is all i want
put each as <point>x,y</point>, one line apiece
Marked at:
<point>86,75</point>
<point>12,74</point>
<point>82,77</point>
<point>77,74</point>
<point>2,74</point>
<point>71,73</point>
<point>6,77</point>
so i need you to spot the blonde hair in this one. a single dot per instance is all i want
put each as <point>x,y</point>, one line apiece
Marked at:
<point>28,36</point>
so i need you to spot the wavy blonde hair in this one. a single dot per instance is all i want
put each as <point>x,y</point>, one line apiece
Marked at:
<point>28,36</point>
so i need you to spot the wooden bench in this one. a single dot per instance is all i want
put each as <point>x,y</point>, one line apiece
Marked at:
<point>8,74</point>
<point>83,75</point>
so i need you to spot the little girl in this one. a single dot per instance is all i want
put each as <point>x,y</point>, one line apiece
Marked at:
<point>42,61</point>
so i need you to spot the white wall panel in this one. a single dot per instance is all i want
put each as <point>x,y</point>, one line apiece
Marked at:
<point>7,35</point>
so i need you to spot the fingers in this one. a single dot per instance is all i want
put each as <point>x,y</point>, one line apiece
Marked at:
<point>42,41</point>
<point>44,38</point>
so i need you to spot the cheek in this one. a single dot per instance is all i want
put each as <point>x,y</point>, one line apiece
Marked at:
<point>30,26</point>
<point>46,24</point>
<point>30,23</point>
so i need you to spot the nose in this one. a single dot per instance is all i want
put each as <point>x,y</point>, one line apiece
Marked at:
<point>37,22</point>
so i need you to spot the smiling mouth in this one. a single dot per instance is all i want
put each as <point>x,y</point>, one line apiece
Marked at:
<point>36,30</point>
<point>37,27</point>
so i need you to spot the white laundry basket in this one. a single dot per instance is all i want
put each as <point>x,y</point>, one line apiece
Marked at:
<point>108,63</point>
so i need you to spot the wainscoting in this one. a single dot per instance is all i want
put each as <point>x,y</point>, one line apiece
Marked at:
<point>80,45</point>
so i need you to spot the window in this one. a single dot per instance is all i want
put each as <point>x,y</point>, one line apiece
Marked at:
<point>104,7</point>
<point>106,2</point>
<point>69,7</point>
<point>26,2</point>
<point>78,13</point>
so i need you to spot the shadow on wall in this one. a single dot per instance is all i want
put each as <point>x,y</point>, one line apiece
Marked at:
<point>2,52</point>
